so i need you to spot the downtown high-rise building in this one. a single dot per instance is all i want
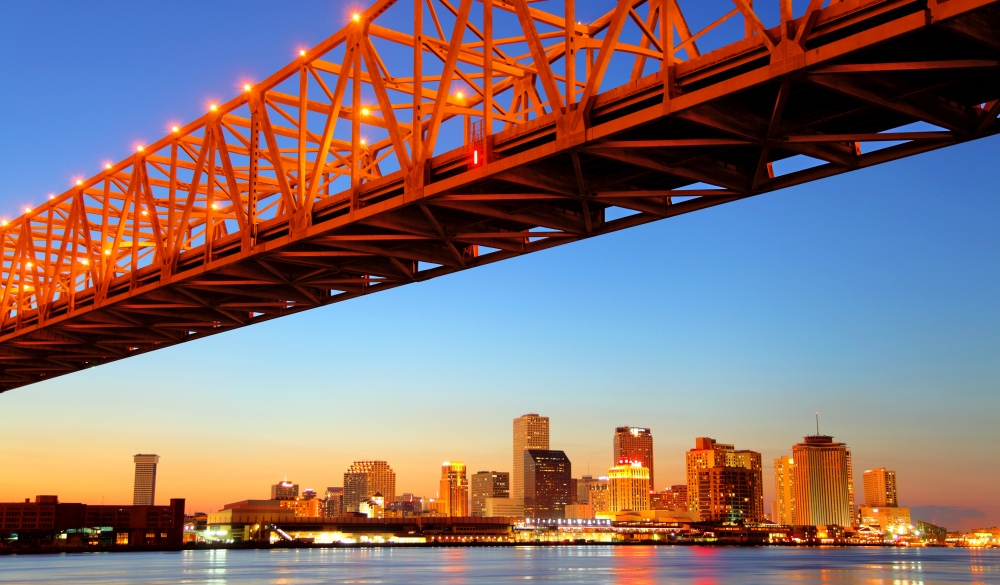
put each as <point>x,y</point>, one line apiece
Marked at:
<point>333,501</point>
<point>635,444</point>
<point>547,484</point>
<point>628,484</point>
<point>488,484</point>
<point>724,484</point>
<point>144,487</point>
<point>880,488</point>
<point>531,431</point>
<point>363,479</point>
<point>454,488</point>
<point>822,483</point>
<point>285,490</point>
<point>784,487</point>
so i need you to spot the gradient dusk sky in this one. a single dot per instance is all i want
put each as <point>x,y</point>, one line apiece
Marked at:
<point>872,297</point>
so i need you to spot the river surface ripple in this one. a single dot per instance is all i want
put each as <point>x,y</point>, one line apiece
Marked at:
<point>623,565</point>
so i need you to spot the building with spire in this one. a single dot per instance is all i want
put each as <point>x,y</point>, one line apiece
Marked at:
<point>822,490</point>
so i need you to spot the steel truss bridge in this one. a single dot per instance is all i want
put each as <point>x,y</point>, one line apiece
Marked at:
<point>338,176</point>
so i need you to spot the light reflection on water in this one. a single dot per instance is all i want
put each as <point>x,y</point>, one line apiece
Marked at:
<point>629,565</point>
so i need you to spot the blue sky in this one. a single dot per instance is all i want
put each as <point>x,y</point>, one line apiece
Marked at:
<point>870,297</point>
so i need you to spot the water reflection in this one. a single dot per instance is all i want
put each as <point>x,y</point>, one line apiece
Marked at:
<point>622,565</point>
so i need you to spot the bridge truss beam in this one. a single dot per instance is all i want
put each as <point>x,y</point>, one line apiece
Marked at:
<point>341,174</point>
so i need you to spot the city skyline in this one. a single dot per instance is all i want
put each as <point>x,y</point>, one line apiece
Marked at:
<point>869,297</point>
<point>288,489</point>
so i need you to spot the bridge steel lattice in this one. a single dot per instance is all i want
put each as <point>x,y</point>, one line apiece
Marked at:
<point>328,180</point>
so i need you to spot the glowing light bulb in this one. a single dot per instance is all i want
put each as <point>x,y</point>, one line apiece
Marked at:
<point>356,17</point>
<point>107,252</point>
<point>246,87</point>
<point>28,265</point>
<point>107,166</point>
<point>175,129</point>
<point>215,206</point>
<point>51,197</point>
<point>27,210</point>
<point>84,261</point>
<point>459,95</point>
<point>3,222</point>
<point>140,148</point>
<point>79,182</point>
<point>302,53</point>
<point>363,142</point>
<point>144,212</point>
<point>365,111</point>
<point>213,107</point>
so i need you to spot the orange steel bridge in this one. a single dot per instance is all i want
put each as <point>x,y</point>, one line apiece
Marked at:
<point>338,176</point>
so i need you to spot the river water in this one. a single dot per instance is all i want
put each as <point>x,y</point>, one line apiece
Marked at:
<point>622,565</point>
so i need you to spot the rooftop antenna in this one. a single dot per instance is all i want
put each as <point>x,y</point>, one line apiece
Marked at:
<point>817,424</point>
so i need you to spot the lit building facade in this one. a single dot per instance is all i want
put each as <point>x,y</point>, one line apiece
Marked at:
<point>547,477</point>
<point>531,431</point>
<point>822,482</point>
<point>880,488</point>
<point>730,494</point>
<point>635,444</point>
<point>488,484</point>
<point>504,508</point>
<point>363,479</point>
<point>144,488</point>
<point>304,508</point>
<point>373,507</point>
<point>628,484</point>
<point>673,498</point>
<point>717,488</point>
<point>333,501</point>
<point>891,520</point>
<point>784,488</point>
<point>454,488</point>
<point>285,490</point>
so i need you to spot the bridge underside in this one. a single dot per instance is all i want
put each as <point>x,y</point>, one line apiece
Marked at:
<point>867,87</point>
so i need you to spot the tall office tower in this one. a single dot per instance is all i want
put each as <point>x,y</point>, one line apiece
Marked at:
<point>530,432</point>
<point>724,484</point>
<point>285,490</point>
<point>547,477</point>
<point>333,501</point>
<point>635,444</point>
<point>488,484</point>
<point>583,489</point>
<point>629,486</point>
<point>784,487</point>
<point>144,489</point>
<point>365,478</point>
<point>880,488</point>
<point>823,482</point>
<point>454,488</point>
